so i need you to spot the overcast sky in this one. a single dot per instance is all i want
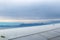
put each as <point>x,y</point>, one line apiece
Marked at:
<point>29,9</point>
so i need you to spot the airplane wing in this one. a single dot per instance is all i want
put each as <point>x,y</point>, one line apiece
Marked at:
<point>44,32</point>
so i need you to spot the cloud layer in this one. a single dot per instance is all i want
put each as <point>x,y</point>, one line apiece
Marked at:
<point>30,9</point>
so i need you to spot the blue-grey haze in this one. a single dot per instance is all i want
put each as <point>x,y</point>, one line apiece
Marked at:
<point>44,10</point>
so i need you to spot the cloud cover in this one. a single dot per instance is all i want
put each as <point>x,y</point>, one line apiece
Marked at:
<point>30,9</point>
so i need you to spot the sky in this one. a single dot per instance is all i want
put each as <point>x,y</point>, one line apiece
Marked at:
<point>29,9</point>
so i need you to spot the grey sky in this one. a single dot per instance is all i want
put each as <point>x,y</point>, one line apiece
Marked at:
<point>29,9</point>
